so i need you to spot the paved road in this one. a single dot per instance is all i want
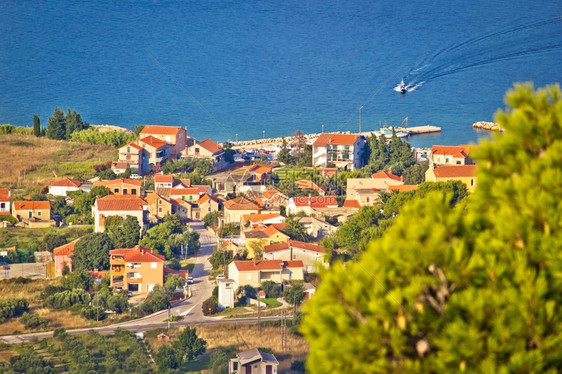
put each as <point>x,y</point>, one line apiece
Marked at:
<point>189,308</point>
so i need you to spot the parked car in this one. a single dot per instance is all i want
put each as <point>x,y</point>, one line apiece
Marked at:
<point>219,277</point>
<point>189,280</point>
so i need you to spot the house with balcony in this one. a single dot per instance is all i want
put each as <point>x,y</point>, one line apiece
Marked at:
<point>313,256</point>
<point>134,156</point>
<point>310,204</point>
<point>253,273</point>
<point>158,150</point>
<point>207,150</point>
<point>345,151</point>
<point>175,136</point>
<point>136,269</point>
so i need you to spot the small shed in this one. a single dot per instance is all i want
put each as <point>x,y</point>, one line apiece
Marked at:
<point>163,337</point>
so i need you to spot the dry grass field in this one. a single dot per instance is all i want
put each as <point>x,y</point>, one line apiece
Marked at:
<point>243,337</point>
<point>31,163</point>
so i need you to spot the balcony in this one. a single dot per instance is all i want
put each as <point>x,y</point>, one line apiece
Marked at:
<point>117,270</point>
<point>134,280</point>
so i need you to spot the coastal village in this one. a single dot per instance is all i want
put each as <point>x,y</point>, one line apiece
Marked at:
<point>267,218</point>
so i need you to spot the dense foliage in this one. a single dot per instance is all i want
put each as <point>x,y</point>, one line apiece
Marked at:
<point>92,252</point>
<point>170,236</point>
<point>186,348</point>
<point>111,138</point>
<point>12,308</point>
<point>473,287</point>
<point>124,233</point>
<point>188,165</point>
<point>61,127</point>
<point>395,154</point>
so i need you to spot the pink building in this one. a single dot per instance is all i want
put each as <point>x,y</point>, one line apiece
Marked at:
<point>63,256</point>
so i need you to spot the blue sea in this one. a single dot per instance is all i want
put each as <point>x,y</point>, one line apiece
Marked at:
<point>234,69</point>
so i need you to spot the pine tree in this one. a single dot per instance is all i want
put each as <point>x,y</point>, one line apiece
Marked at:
<point>468,288</point>
<point>56,128</point>
<point>36,126</point>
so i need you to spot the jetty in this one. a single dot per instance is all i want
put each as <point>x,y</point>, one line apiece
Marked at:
<point>417,130</point>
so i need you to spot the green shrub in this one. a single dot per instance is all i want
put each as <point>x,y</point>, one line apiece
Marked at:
<point>12,308</point>
<point>33,321</point>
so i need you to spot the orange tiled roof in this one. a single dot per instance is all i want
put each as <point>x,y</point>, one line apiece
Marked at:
<point>386,175</point>
<point>4,194</point>
<point>270,192</point>
<point>138,254</point>
<point>266,265</point>
<point>203,188</point>
<point>66,249</point>
<point>152,197</point>
<point>19,205</point>
<point>118,181</point>
<point>240,203</point>
<point>184,191</point>
<point>160,130</point>
<point>307,246</point>
<point>206,197</point>
<point>306,184</point>
<point>120,202</point>
<point>451,150</point>
<point>66,182</point>
<point>455,171</point>
<point>338,139</point>
<point>134,145</point>
<point>163,178</point>
<point>351,204</point>
<point>154,142</point>
<point>276,247</point>
<point>209,145</point>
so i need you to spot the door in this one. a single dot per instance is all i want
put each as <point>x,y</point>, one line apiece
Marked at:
<point>268,369</point>
<point>249,369</point>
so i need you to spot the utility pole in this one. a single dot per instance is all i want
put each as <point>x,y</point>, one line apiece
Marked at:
<point>361,107</point>
<point>259,315</point>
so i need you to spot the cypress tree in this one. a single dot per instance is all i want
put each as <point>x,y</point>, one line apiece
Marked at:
<point>36,126</point>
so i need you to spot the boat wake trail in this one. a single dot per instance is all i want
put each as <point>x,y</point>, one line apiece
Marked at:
<point>502,45</point>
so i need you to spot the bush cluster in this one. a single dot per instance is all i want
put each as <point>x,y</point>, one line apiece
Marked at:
<point>12,308</point>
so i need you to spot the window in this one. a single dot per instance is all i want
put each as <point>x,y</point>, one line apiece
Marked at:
<point>190,197</point>
<point>235,365</point>
<point>367,199</point>
<point>128,149</point>
<point>133,191</point>
<point>153,265</point>
<point>160,210</point>
<point>39,213</point>
<point>472,182</point>
<point>125,191</point>
<point>2,205</point>
<point>196,151</point>
<point>116,190</point>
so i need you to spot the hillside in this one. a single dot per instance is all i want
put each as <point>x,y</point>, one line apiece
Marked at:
<point>31,163</point>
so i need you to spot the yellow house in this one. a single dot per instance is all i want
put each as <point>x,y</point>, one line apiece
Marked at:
<point>158,206</point>
<point>261,236</point>
<point>33,213</point>
<point>136,269</point>
<point>236,208</point>
<point>464,173</point>
<point>254,272</point>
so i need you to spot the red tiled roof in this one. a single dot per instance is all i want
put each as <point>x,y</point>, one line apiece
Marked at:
<point>161,130</point>
<point>134,145</point>
<point>276,247</point>
<point>455,171</point>
<point>266,265</point>
<point>154,142</point>
<point>351,204</point>
<point>206,197</point>
<point>315,201</point>
<point>5,213</point>
<point>184,191</point>
<point>305,184</point>
<point>66,249</point>
<point>209,145</point>
<point>112,182</point>
<point>98,274</point>
<point>4,194</point>
<point>270,192</point>
<point>203,188</point>
<point>19,205</point>
<point>307,246</point>
<point>274,229</point>
<point>119,202</point>
<point>240,203</point>
<point>255,168</point>
<point>152,197</point>
<point>163,178</point>
<point>338,139</point>
<point>138,254</point>
<point>386,175</point>
<point>66,182</point>
<point>451,150</point>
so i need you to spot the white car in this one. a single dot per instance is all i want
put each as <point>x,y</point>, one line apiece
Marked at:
<point>219,277</point>
<point>189,280</point>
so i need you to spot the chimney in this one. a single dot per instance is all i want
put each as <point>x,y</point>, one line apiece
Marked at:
<point>389,171</point>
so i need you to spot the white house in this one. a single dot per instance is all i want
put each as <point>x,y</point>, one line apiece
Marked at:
<point>343,150</point>
<point>118,205</point>
<point>227,287</point>
<point>63,186</point>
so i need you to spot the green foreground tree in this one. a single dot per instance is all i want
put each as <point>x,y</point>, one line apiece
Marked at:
<point>469,288</point>
<point>36,125</point>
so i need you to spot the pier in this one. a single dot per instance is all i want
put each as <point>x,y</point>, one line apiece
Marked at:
<point>423,129</point>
